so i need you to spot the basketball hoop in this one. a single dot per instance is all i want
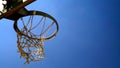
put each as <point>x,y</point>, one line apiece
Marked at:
<point>32,30</point>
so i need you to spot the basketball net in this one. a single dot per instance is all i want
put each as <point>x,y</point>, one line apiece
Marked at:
<point>30,49</point>
<point>32,31</point>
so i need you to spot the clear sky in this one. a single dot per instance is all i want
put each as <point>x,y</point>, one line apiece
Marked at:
<point>88,37</point>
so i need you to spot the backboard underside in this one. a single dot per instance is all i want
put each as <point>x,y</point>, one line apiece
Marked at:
<point>13,13</point>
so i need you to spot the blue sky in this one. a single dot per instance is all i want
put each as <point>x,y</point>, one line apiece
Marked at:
<point>89,36</point>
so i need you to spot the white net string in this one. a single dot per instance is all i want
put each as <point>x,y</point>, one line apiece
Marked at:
<point>30,50</point>
<point>33,31</point>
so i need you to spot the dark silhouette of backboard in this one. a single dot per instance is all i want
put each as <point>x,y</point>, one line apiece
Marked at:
<point>11,13</point>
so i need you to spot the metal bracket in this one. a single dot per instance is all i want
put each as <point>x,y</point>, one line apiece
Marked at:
<point>16,9</point>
